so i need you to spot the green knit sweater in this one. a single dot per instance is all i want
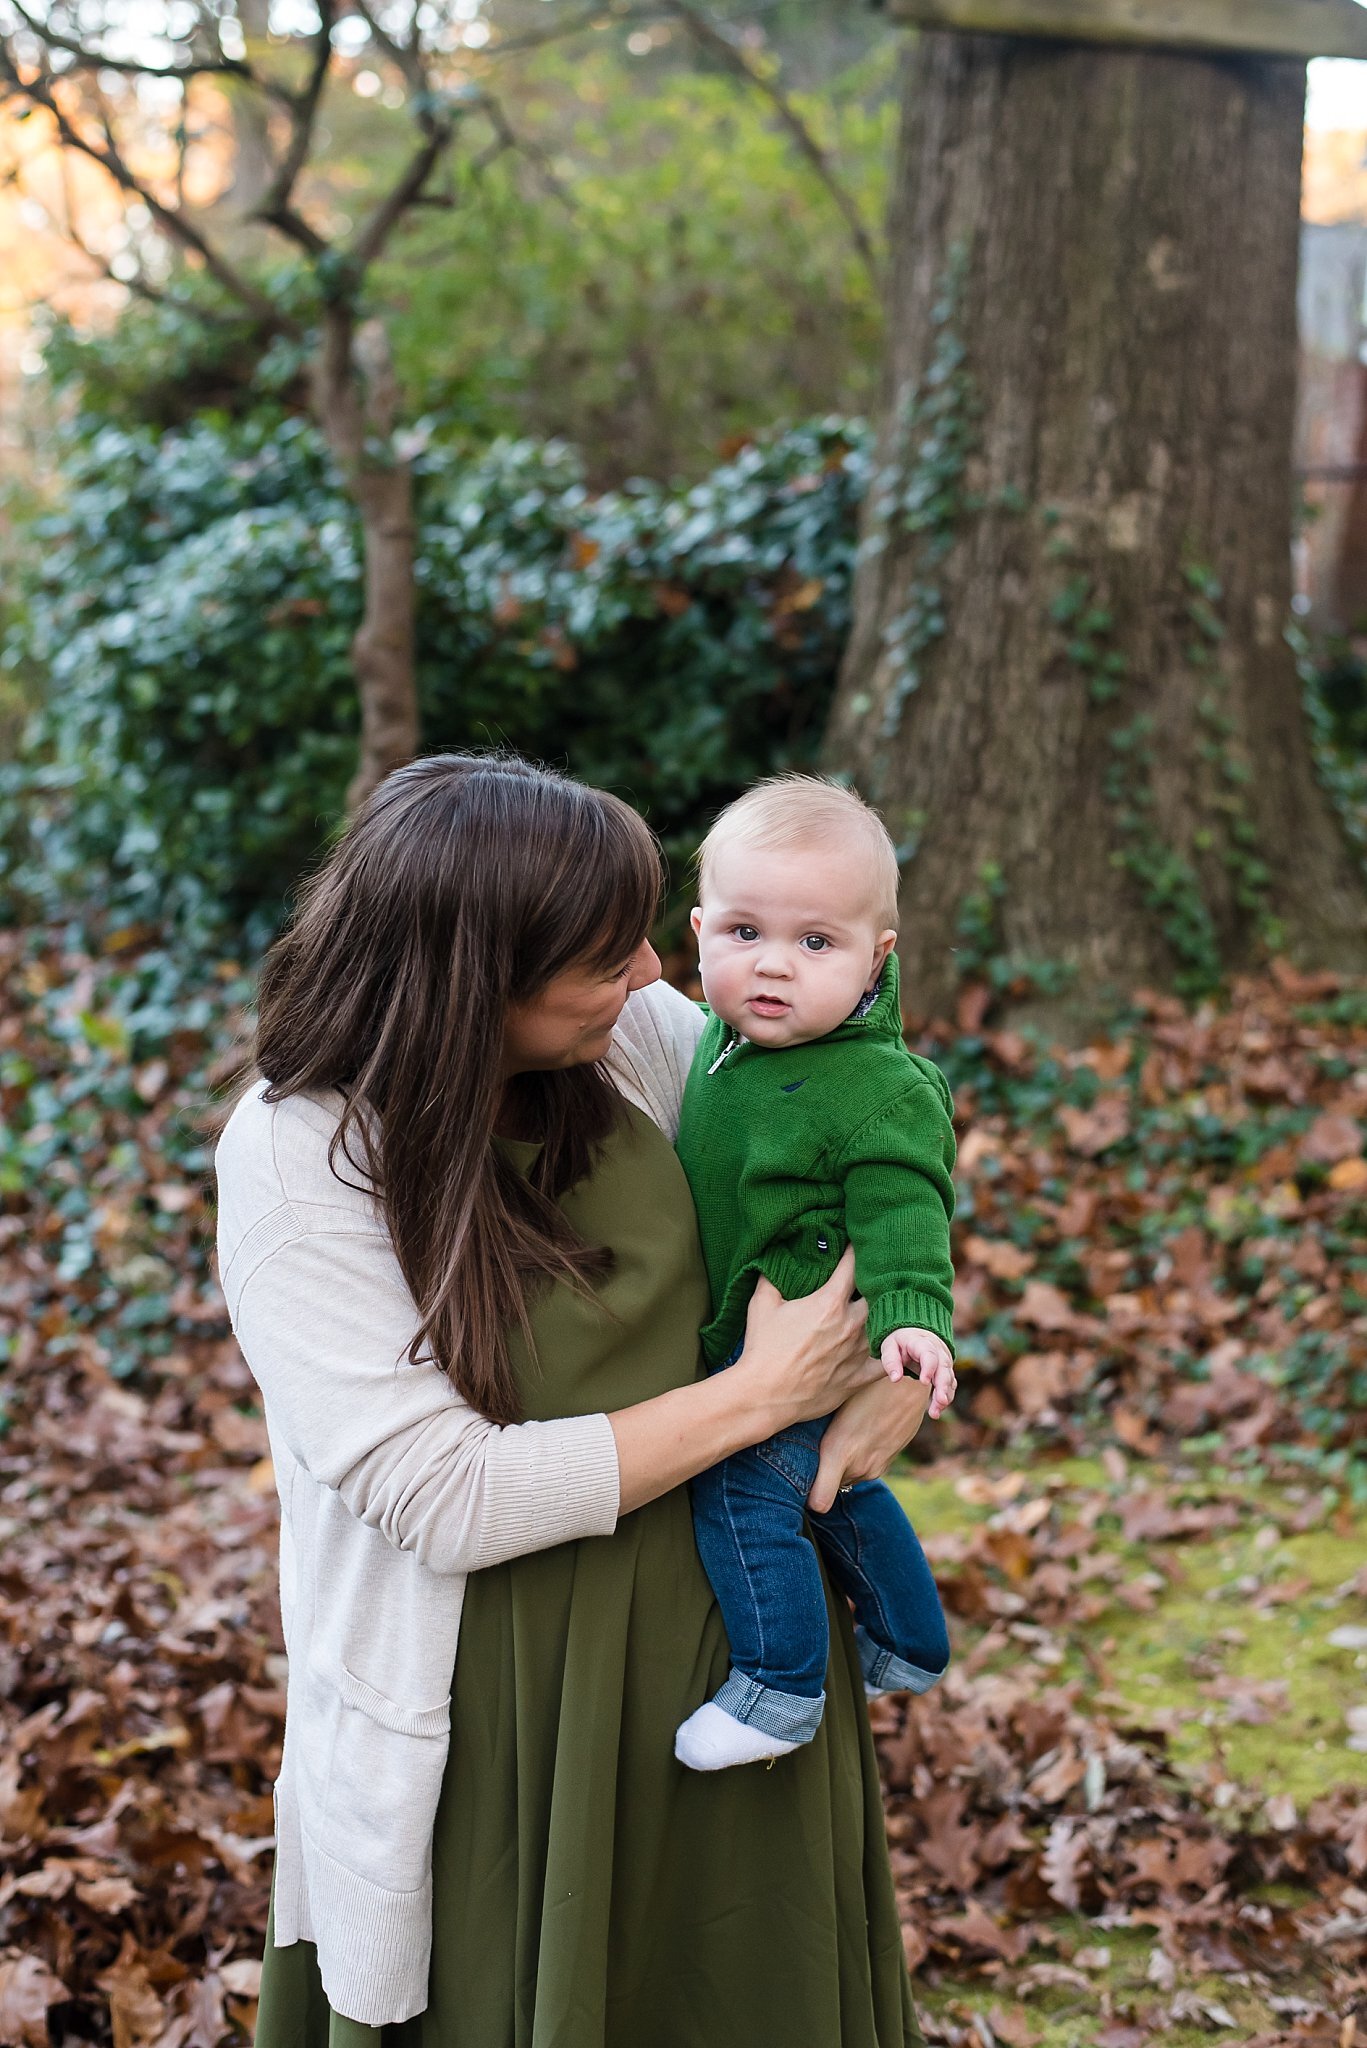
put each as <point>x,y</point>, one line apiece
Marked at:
<point>793,1151</point>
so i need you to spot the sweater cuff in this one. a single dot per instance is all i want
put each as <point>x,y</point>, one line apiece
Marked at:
<point>558,1481</point>
<point>906,1309</point>
<point>593,1480</point>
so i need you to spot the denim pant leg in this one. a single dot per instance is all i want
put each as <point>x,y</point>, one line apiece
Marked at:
<point>873,1555</point>
<point>749,1517</point>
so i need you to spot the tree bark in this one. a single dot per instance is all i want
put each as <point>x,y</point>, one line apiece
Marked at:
<point>355,400</point>
<point>1068,685</point>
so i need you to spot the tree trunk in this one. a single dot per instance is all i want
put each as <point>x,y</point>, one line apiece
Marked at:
<point>355,399</point>
<point>1067,685</point>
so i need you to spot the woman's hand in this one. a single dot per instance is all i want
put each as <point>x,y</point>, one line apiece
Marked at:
<point>800,1359</point>
<point>805,1357</point>
<point>863,1439</point>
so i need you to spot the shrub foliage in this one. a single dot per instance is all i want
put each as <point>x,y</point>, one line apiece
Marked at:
<point>196,593</point>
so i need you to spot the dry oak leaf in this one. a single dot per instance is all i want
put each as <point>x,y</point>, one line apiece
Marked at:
<point>1063,1862</point>
<point>107,1894</point>
<point>915,1944</point>
<point>998,1256</point>
<point>950,1846</point>
<point>1010,2024</point>
<point>975,1928</point>
<point>1037,1379</point>
<point>135,2011</point>
<point>1045,1306</point>
<point>1095,1130</point>
<point>27,1989</point>
<point>1331,1138</point>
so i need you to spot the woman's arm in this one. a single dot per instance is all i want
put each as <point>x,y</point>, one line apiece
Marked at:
<point>324,1321</point>
<point>800,1359</point>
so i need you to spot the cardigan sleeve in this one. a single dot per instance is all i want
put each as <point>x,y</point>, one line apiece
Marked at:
<point>899,1198</point>
<point>324,1322</point>
<point>652,1050</point>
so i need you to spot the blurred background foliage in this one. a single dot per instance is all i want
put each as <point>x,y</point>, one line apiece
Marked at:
<point>192,604</point>
<point>636,354</point>
<point>653,271</point>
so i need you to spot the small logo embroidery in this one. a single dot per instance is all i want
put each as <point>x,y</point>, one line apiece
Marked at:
<point>791,1087</point>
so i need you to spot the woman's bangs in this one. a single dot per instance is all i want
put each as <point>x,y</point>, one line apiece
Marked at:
<point>617,888</point>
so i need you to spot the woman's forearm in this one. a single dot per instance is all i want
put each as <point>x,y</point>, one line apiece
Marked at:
<point>663,1442</point>
<point>800,1359</point>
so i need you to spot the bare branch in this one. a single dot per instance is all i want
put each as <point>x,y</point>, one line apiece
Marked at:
<point>370,241</point>
<point>288,221</point>
<point>139,284</point>
<point>276,207</point>
<point>607,14</point>
<point>169,218</point>
<point>507,138</point>
<point>710,37</point>
<point>407,56</point>
<point>86,59</point>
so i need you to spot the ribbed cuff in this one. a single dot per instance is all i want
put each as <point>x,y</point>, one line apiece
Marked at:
<point>592,1479</point>
<point>549,1483</point>
<point>374,1946</point>
<point>907,1309</point>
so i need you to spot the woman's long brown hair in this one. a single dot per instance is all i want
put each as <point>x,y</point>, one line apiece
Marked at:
<point>464,885</point>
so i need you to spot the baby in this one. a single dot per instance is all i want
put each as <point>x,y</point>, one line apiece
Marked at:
<point>807,1125</point>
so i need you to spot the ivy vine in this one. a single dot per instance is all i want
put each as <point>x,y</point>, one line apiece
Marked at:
<point>919,492</point>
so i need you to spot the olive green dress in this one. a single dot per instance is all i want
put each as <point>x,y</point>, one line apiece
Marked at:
<point>589,1892</point>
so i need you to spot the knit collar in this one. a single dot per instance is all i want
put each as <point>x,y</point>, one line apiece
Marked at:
<point>876,1015</point>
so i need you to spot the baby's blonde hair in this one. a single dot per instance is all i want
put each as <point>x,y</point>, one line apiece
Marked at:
<point>797,810</point>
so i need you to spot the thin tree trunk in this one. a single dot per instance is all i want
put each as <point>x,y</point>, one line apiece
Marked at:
<point>355,400</point>
<point>1067,684</point>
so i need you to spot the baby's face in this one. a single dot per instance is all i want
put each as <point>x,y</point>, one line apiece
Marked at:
<point>788,941</point>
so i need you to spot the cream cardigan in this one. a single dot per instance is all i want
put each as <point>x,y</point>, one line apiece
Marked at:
<point>392,1489</point>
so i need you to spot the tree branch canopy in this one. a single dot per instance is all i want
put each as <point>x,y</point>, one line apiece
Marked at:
<point>709,37</point>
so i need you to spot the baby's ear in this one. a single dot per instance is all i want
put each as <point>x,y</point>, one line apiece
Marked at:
<point>882,946</point>
<point>695,918</point>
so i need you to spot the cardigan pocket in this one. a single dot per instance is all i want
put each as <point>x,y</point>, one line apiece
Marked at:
<point>378,1789</point>
<point>387,1713</point>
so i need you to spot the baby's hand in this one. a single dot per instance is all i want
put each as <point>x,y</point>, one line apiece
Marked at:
<point>930,1355</point>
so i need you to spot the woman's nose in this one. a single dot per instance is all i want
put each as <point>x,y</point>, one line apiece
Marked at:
<point>645,967</point>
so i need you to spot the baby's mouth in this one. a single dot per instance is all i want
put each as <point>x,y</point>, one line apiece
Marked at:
<point>768,1006</point>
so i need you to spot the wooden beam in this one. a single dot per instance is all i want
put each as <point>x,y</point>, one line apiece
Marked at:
<point>1283,28</point>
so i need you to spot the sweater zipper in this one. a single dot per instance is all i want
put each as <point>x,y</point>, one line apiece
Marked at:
<point>724,1055</point>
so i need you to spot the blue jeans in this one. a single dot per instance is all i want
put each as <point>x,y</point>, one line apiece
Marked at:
<point>755,1535</point>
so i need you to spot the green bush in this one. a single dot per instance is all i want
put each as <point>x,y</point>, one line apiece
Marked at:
<point>195,601</point>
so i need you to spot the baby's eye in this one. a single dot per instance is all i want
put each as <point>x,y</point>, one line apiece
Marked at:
<point>815,943</point>
<point>744,931</point>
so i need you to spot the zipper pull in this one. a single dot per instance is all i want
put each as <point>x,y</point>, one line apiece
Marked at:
<point>723,1055</point>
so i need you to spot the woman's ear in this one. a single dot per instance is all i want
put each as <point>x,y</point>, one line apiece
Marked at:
<point>882,946</point>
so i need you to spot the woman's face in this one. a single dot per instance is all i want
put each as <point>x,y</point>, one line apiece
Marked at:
<point>569,1024</point>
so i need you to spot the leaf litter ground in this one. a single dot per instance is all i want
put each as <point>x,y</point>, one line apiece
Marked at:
<point>1137,1807</point>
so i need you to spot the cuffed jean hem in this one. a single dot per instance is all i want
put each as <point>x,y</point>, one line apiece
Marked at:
<point>786,1715</point>
<point>886,1673</point>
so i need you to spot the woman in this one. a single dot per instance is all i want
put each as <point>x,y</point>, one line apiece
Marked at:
<point>462,1264</point>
